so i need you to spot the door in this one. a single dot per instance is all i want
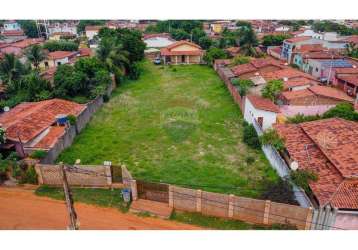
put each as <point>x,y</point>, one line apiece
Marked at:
<point>260,121</point>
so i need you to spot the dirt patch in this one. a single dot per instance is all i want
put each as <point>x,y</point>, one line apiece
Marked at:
<point>22,209</point>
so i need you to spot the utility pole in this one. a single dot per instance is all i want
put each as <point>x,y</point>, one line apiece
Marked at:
<point>69,200</point>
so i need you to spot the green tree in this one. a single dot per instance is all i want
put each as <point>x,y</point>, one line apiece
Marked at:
<point>61,45</point>
<point>83,23</point>
<point>11,69</point>
<point>250,136</point>
<point>205,42</point>
<point>196,34</point>
<point>213,54</point>
<point>29,28</point>
<point>34,87</point>
<point>302,178</point>
<point>35,55</point>
<point>179,34</point>
<point>272,89</point>
<point>243,85</point>
<point>248,41</point>
<point>342,110</point>
<point>351,50</point>
<point>274,40</point>
<point>271,137</point>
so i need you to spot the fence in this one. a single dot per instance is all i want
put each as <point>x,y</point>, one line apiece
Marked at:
<point>83,118</point>
<point>99,175</point>
<point>240,208</point>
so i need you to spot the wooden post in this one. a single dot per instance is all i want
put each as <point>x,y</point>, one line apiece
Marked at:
<point>267,212</point>
<point>171,196</point>
<point>133,185</point>
<point>69,200</point>
<point>231,206</point>
<point>108,174</point>
<point>39,174</point>
<point>309,219</point>
<point>198,200</point>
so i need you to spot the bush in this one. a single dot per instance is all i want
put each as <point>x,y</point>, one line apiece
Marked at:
<point>280,191</point>
<point>342,110</point>
<point>302,118</point>
<point>302,178</point>
<point>62,45</point>
<point>38,154</point>
<point>29,176</point>
<point>272,89</point>
<point>105,98</point>
<point>272,138</point>
<point>249,160</point>
<point>72,119</point>
<point>243,85</point>
<point>239,59</point>
<point>250,136</point>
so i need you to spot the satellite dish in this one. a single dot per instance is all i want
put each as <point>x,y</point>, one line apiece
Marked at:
<point>294,165</point>
<point>6,109</point>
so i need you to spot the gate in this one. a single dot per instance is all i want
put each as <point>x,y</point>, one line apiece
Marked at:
<point>153,191</point>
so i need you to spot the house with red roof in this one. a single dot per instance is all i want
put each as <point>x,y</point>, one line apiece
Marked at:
<point>329,148</point>
<point>92,30</point>
<point>57,58</point>
<point>261,111</point>
<point>182,52</point>
<point>315,95</point>
<point>346,79</point>
<point>34,125</point>
<point>256,67</point>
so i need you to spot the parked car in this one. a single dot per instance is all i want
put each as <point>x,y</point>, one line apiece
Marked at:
<point>157,61</point>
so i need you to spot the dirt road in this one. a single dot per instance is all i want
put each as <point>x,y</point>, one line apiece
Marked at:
<point>22,209</point>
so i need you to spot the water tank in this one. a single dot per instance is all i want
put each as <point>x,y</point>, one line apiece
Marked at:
<point>61,119</point>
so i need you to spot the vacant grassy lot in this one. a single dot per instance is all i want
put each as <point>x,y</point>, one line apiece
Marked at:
<point>176,125</point>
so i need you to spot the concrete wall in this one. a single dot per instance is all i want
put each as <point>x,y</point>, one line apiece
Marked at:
<point>251,113</point>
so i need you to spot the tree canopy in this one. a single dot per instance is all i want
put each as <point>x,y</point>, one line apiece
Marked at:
<point>29,28</point>
<point>272,89</point>
<point>61,45</point>
<point>213,54</point>
<point>274,40</point>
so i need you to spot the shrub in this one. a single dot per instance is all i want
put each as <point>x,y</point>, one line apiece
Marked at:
<point>2,136</point>
<point>302,178</point>
<point>271,137</point>
<point>250,136</point>
<point>243,85</point>
<point>29,176</point>
<point>249,160</point>
<point>239,59</point>
<point>303,118</point>
<point>72,119</point>
<point>105,98</point>
<point>342,110</point>
<point>272,89</point>
<point>38,154</point>
<point>280,191</point>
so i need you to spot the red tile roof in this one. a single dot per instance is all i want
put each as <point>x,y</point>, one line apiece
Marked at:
<point>320,55</point>
<point>309,48</point>
<point>85,52</point>
<point>299,81</point>
<point>262,103</point>
<point>330,93</point>
<point>290,95</point>
<point>352,39</point>
<point>168,51</point>
<point>13,33</point>
<point>346,70</point>
<point>27,42</point>
<point>93,28</point>
<point>29,119</point>
<point>352,79</point>
<point>243,68</point>
<point>49,140</point>
<point>286,73</point>
<point>298,39</point>
<point>61,54</point>
<point>255,65</point>
<point>328,147</point>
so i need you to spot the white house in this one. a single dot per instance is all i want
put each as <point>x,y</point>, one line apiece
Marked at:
<point>92,31</point>
<point>260,110</point>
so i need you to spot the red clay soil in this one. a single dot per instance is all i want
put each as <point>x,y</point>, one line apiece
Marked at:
<point>22,209</point>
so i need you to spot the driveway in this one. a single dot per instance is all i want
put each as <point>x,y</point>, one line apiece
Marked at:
<point>22,209</point>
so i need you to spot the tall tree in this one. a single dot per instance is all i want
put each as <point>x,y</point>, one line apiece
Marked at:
<point>11,69</point>
<point>29,27</point>
<point>35,55</point>
<point>248,41</point>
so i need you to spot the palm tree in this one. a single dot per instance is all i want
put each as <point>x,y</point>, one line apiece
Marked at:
<point>35,55</point>
<point>113,56</point>
<point>248,41</point>
<point>11,69</point>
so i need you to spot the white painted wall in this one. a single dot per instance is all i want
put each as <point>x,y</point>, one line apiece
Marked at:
<point>158,42</point>
<point>251,113</point>
<point>91,33</point>
<point>61,61</point>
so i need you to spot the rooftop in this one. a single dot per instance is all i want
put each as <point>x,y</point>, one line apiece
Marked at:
<point>332,148</point>
<point>298,39</point>
<point>61,54</point>
<point>263,103</point>
<point>331,93</point>
<point>29,119</point>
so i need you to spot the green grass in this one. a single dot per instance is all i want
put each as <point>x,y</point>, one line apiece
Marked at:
<point>93,196</point>
<point>222,224</point>
<point>177,126</point>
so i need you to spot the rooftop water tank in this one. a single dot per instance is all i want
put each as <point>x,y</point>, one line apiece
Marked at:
<point>61,119</point>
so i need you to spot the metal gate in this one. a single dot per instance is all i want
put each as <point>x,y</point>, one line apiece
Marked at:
<point>153,191</point>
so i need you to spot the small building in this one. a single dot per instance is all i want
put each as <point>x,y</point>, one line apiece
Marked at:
<point>274,51</point>
<point>56,36</point>
<point>12,25</point>
<point>314,95</point>
<point>158,41</point>
<point>92,30</point>
<point>321,69</point>
<point>182,52</point>
<point>57,58</point>
<point>261,111</point>
<point>256,67</point>
<point>34,126</point>
<point>68,27</point>
<point>346,79</point>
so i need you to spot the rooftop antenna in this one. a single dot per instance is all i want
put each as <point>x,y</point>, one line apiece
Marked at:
<point>42,28</point>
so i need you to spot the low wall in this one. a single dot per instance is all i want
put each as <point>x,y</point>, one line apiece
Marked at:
<point>240,208</point>
<point>92,176</point>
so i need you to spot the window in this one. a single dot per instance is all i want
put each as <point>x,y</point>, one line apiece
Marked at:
<point>316,69</point>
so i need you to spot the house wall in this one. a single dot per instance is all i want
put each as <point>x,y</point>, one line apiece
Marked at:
<point>251,113</point>
<point>188,59</point>
<point>311,100</point>
<point>61,61</point>
<point>300,87</point>
<point>91,33</point>
<point>184,47</point>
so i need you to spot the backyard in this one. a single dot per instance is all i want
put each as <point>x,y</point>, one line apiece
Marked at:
<point>176,124</point>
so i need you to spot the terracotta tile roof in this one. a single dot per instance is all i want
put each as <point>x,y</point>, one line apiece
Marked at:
<point>61,54</point>
<point>263,62</point>
<point>298,39</point>
<point>13,33</point>
<point>330,92</point>
<point>49,140</point>
<point>27,42</point>
<point>352,79</point>
<point>262,103</point>
<point>85,52</point>
<point>168,51</point>
<point>286,73</point>
<point>255,65</point>
<point>290,95</point>
<point>309,48</point>
<point>298,81</point>
<point>321,55</point>
<point>93,28</point>
<point>351,39</point>
<point>277,49</point>
<point>31,118</point>
<point>346,70</point>
<point>243,68</point>
<point>328,147</point>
